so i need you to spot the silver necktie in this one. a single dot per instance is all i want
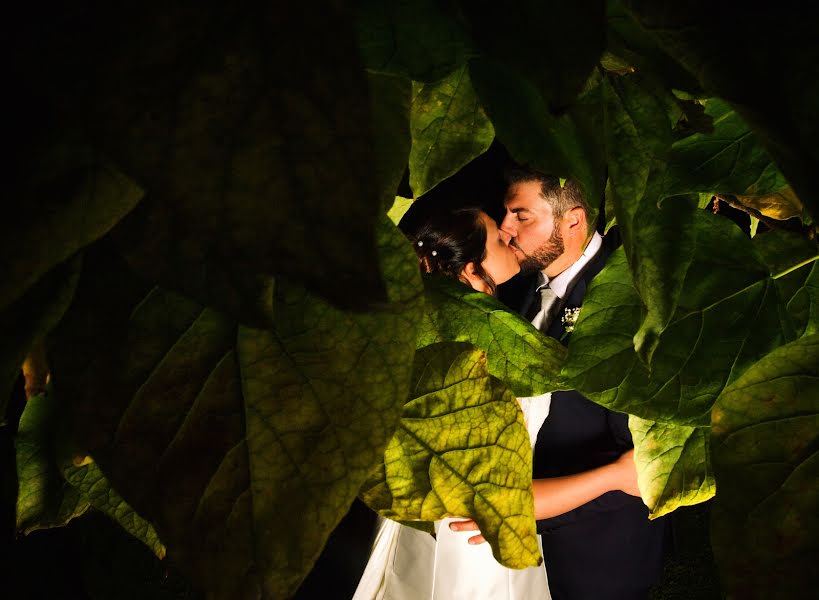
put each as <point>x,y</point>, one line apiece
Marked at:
<point>548,299</point>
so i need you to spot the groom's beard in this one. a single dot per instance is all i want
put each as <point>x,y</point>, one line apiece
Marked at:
<point>545,254</point>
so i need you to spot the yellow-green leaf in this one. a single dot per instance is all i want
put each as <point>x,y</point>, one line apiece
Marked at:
<point>673,465</point>
<point>440,463</point>
<point>449,128</point>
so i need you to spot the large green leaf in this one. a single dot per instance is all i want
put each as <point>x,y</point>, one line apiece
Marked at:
<point>658,238</point>
<point>533,36</point>
<point>783,116</point>
<point>673,465</point>
<point>728,316</point>
<point>44,499</point>
<point>729,160</point>
<point>214,431</point>
<point>31,317</point>
<point>258,157</point>
<point>449,128</point>
<point>417,39</point>
<point>531,134</point>
<point>516,353</point>
<point>765,435</point>
<point>438,464</point>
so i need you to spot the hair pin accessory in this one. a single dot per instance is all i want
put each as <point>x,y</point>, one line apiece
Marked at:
<point>420,243</point>
<point>434,253</point>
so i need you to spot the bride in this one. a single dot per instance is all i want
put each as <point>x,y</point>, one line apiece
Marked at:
<point>408,564</point>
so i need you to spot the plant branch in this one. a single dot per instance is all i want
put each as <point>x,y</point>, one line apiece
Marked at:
<point>805,230</point>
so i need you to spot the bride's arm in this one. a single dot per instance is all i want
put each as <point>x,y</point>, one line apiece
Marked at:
<point>558,495</point>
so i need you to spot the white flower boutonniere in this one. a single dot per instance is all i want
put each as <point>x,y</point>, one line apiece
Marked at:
<point>570,318</point>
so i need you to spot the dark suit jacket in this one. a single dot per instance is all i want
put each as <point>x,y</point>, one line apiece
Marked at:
<point>606,549</point>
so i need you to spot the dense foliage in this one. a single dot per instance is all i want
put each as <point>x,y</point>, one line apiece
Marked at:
<point>197,256</point>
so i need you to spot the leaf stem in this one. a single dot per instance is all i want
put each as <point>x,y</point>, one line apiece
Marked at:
<point>797,266</point>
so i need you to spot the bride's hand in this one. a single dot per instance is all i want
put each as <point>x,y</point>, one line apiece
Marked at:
<point>468,525</point>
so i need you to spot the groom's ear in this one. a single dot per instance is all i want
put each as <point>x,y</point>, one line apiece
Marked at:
<point>574,221</point>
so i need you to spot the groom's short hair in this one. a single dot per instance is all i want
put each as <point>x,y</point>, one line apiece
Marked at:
<point>562,198</point>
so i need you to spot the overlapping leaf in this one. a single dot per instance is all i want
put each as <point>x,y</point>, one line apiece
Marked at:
<point>786,121</point>
<point>765,435</point>
<point>673,464</point>
<point>782,204</point>
<point>531,134</point>
<point>728,316</point>
<point>225,125</point>
<point>213,431</point>
<point>417,39</point>
<point>516,353</point>
<point>449,128</point>
<point>461,449</point>
<point>658,238</point>
<point>729,160</point>
<point>513,32</point>
<point>637,49</point>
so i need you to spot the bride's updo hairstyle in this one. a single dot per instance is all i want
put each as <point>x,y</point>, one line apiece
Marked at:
<point>446,240</point>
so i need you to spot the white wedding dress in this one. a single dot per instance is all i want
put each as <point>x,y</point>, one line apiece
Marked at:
<point>408,564</point>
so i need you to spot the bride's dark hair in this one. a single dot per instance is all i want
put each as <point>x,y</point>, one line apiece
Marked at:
<point>446,240</point>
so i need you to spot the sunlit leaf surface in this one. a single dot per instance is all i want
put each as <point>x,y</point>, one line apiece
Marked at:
<point>658,238</point>
<point>516,353</point>
<point>673,464</point>
<point>449,128</point>
<point>461,449</point>
<point>728,317</point>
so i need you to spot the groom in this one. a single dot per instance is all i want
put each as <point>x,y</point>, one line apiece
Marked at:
<point>598,543</point>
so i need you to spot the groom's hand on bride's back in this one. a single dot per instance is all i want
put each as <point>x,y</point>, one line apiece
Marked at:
<point>468,525</point>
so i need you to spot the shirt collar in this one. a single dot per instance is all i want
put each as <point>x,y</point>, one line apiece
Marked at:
<point>558,283</point>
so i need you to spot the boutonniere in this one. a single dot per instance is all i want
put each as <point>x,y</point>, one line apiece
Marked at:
<point>569,319</point>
